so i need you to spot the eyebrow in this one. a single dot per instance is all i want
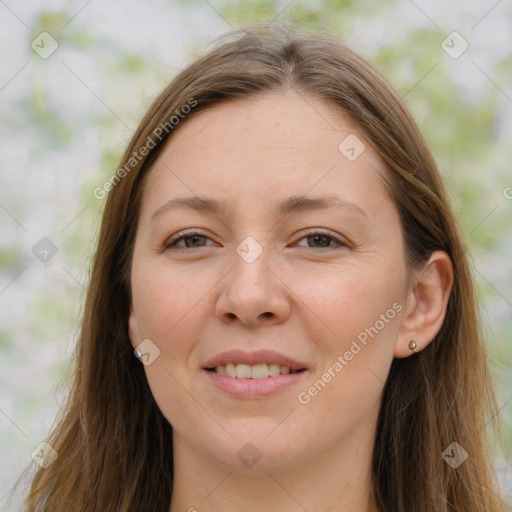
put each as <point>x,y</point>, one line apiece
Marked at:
<point>294,204</point>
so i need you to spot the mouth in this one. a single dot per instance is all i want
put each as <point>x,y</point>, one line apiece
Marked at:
<point>253,375</point>
<point>257,371</point>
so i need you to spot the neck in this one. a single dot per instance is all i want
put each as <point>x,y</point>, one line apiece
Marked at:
<point>335,480</point>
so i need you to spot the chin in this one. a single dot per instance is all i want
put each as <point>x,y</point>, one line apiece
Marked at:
<point>258,449</point>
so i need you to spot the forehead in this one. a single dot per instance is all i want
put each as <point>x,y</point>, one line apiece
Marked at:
<point>267,148</point>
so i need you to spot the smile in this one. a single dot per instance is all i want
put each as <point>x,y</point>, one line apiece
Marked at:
<point>257,371</point>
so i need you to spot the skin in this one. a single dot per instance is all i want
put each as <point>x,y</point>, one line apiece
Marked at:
<point>303,296</point>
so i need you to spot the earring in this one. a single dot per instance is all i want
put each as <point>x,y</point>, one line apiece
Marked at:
<point>412,345</point>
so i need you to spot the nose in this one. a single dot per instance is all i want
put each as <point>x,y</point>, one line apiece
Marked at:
<point>253,293</point>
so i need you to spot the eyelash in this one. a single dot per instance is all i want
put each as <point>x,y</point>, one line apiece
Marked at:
<point>171,244</point>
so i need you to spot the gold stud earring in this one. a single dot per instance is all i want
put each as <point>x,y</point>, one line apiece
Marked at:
<point>412,345</point>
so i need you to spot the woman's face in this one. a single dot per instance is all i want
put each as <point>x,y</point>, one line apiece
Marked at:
<point>317,285</point>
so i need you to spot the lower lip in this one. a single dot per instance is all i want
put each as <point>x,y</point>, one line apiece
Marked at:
<point>253,388</point>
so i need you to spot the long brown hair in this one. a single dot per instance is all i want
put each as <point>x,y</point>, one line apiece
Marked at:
<point>115,446</point>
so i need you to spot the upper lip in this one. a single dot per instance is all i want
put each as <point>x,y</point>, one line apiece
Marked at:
<point>253,358</point>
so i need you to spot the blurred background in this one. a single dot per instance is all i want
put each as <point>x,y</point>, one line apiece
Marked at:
<point>76,78</point>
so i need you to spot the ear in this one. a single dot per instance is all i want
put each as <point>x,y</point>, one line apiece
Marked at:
<point>133,327</point>
<point>425,306</point>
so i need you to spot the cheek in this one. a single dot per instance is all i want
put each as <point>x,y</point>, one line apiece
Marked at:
<point>357,350</point>
<point>171,304</point>
<point>357,310</point>
<point>171,307</point>
<point>347,299</point>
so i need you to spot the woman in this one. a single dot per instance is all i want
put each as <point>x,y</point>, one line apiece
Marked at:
<point>278,251</point>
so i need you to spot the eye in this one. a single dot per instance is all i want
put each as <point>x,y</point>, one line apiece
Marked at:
<point>195,239</point>
<point>191,239</point>
<point>323,241</point>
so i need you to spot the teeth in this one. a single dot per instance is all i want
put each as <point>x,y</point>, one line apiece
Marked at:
<point>257,371</point>
<point>260,371</point>
<point>243,371</point>
<point>274,369</point>
<point>230,370</point>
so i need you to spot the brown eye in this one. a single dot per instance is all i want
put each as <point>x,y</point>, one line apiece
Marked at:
<point>323,241</point>
<point>191,240</point>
